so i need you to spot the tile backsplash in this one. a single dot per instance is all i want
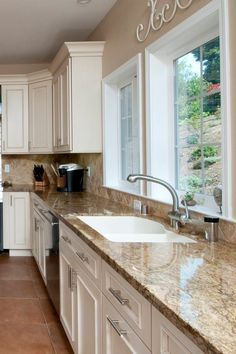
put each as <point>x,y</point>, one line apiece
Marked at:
<point>21,167</point>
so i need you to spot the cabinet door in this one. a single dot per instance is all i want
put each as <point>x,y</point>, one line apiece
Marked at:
<point>89,313</point>
<point>14,118</point>
<point>40,114</point>
<point>19,225</point>
<point>118,336</point>
<point>56,112</point>
<point>41,250</point>
<point>35,235</point>
<point>68,297</point>
<point>65,123</point>
<point>167,339</point>
<point>62,108</point>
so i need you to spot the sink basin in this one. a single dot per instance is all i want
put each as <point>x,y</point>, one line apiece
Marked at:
<point>132,229</point>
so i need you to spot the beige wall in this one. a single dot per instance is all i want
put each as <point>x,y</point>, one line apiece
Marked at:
<point>12,69</point>
<point>118,29</point>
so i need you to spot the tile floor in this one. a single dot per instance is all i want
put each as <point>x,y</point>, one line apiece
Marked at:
<point>28,321</point>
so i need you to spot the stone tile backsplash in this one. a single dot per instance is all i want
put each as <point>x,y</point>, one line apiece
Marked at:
<point>21,167</point>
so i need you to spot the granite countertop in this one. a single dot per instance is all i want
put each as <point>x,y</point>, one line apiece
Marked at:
<point>193,284</point>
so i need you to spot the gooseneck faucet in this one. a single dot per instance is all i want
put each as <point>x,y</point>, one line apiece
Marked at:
<point>175,214</point>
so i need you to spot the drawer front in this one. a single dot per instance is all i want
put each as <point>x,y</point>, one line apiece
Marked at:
<point>118,336</point>
<point>87,258</point>
<point>132,306</point>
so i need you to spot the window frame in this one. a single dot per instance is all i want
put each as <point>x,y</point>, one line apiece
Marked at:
<point>111,124</point>
<point>154,54</point>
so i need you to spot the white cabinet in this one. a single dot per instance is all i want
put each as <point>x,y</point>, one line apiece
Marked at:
<point>62,109</point>
<point>68,297</point>
<point>16,213</point>
<point>167,339</point>
<point>14,119</point>
<point>40,117</point>
<point>81,299</point>
<point>77,125</point>
<point>118,336</point>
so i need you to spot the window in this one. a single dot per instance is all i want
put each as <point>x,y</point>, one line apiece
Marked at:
<point>122,126</point>
<point>198,119</point>
<point>189,126</point>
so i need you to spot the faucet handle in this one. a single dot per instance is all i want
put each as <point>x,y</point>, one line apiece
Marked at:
<point>187,214</point>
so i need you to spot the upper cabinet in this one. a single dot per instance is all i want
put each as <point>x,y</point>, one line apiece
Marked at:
<point>14,118</point>
<point>40,114</point>
<point>77,71</point>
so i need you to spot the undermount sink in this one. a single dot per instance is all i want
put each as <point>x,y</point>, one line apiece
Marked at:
<point>132,229</point>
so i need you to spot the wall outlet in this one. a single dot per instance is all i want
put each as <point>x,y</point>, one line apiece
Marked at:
<point>88,171</point>
<point>137,205</point>
<point>7,168</point>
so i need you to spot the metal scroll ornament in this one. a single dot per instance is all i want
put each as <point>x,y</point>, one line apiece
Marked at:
<point>157,19</point>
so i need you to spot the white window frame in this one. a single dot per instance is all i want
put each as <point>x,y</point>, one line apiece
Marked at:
<point>204,25</point>
<point>111,124</point>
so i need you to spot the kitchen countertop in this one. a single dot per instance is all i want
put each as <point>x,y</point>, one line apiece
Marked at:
<point>193,285</point>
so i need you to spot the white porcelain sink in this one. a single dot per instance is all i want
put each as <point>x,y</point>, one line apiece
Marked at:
<point>132,229</point>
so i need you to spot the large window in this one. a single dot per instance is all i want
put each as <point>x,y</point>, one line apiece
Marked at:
<point>198,119</point>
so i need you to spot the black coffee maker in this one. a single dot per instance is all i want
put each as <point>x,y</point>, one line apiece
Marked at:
<point>72,177</point>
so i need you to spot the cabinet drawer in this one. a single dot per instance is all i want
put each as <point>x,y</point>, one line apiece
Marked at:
<point>118,336</point>
<point>132,306</point>
<point>168,339</point>
<point>89,260</point>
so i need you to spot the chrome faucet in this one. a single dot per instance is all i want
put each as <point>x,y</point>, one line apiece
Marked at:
<point>175,215</point>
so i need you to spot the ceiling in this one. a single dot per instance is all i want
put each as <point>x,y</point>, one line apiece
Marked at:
<point>32,31</point>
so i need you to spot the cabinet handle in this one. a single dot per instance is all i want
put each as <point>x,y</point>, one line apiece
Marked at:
<point>69,276</point>
<point>11,200</point>
<point>117,295</point>
<point>29,145</point>
<point>73,281</point>
<point>115,325</point>
<point>82,257</point>
<point>58,141</point>
<point>36,226</point>
<point>66,239</point>
<point>3,145</point>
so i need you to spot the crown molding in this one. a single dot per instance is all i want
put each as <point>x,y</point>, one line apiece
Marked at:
<point>39,76</point>
<point>76,49</point>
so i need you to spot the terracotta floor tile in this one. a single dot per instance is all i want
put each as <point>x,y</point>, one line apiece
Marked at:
<point>13,260</point>
<point>21,311</point>
<point>59,339</point>
<point>48,311</point>
<point>25,339</point>
<point>10,271</point>
<point>17,289</point>
<point>40,289</point>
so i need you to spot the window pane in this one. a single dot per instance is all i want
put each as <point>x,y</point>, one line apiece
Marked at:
<point>213,169</point>
<point>212,119</point>
<point>189,123</point>
<point>188,76</point>
<point>211,65</point>
<point>129,132</point>
<point>190,178</point>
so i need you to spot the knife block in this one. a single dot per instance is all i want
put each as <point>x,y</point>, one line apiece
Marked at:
<point>45,182</point>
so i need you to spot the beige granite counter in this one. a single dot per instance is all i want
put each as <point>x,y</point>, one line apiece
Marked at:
<point>193,285</point>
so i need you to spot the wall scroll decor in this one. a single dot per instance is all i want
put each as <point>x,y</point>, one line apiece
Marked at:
<point>157,19</point>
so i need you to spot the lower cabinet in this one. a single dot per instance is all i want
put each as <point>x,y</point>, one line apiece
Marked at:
<point>118,336</point>
<point>68,297</point>
<point>167,339</point>
<point>38,242</point>
<point>16,227</point>
<point>81,302</point>
<point>103,314</point>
